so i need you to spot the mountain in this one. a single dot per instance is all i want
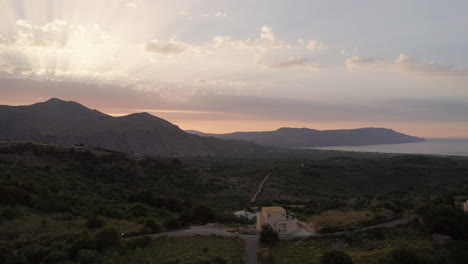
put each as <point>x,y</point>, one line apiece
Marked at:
<point>62,122</point>
<point>304,137</point>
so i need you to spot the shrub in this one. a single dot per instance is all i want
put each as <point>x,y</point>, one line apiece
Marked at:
<point>9,213</point>
<point>268,236</point>
<point>171,223</point>
<point>13,196</point>
<point>152,226</point>
<point>138,210</point>
<point>141,242</point>
<point>202,214</point>
<point>56,256</point>
<point>86,256</point>
<point>264,256</point>
<point>107,237</point>
<point>95,222</point>
<point>82,242</point>
<point>405,256</point>
<point>336,257</point>
<point>34,252</point>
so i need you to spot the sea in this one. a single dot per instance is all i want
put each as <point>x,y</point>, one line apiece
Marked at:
<point>433,146</point>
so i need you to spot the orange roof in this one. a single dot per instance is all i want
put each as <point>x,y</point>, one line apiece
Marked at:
<point>273,209</point>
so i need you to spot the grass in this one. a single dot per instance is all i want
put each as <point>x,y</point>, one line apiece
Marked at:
<point>364,247</point>
<point>189,250</point>
<point>343,219</point>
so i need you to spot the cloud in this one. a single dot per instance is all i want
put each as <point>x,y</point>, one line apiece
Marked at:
<point>250,107</point>
<point>10,70</point>
<point>170,47</point>
<point>132,5</point>
<point>293,63</point>
<point>217,14</point>
<point>316,45</point>
<point>53,35</point>
<point>405,64</point>
<point>266,40</point>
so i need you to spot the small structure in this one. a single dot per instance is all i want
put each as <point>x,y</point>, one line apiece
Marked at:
<point>465,206</point>
<point>246,214</point>
<point>278,219</point>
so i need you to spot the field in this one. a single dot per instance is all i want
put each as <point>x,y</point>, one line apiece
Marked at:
<point>197,249</point>
<point>368,247</point>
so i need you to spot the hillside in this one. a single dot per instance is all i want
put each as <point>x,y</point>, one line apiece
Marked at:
<point>57,121</point>
<point>304,137</point>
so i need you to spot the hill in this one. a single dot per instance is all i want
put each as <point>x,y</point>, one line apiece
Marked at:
<point>304,137</point>
<point>58,121</point>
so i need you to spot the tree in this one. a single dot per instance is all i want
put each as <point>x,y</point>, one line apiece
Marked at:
<point>336,257</point>
<point>405,256</point>
<point>202,214</point>
<point>268,236</point>
<point>107,237</point>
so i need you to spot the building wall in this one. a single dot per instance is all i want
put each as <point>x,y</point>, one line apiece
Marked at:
<point>273,217</point>
<point>260,220</point>
<point>291,226</point>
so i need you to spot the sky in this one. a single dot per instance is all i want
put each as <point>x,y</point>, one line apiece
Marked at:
<point>221,66</point>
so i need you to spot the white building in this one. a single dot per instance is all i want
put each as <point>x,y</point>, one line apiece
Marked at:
<point>278,219</point>
<point>246,214</point>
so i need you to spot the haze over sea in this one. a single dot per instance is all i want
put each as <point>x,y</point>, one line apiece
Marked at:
<point>435,146</point>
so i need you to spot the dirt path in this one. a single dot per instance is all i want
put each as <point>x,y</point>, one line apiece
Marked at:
<point>260,187</point>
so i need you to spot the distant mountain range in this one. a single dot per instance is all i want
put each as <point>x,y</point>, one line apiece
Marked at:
<point>69,123</point>
<point>64,122</point>
<point>303,137</point>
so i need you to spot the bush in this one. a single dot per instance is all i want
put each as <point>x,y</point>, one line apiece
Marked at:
<point>141,242</point>
<point>171,223</point>
<point>152,226</point>
<point>13,196</point>
<point>82,242</point>
<point>336,257</point>
<point>405,256</point>
<point>264,256</point>
<point>86,256</point>
<point>138,210</point>
<point>202,214</point>
<point>9,213</point>
<point>56,256</point>
<point>34,252</point>
<point>107,237</point>
<point>268,236</point>
<point>95,222</point>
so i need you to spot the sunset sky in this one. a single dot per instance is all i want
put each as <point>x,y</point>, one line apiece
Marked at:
<point>244,65</point>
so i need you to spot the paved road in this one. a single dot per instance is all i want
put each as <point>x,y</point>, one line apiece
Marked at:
<point>260,187</point>
<point>250,241</point>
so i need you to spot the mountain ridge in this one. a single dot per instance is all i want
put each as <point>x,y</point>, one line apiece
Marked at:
<point>287,137</point>
<point>69,123</point>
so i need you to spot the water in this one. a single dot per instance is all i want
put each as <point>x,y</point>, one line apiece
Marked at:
<point>452,147</point>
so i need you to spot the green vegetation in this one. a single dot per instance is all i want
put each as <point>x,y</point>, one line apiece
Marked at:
<point>53,197</point>
<point>410,243</point>
<point>89,205</point>
<point>268,236</point>
<point>189,250</point>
